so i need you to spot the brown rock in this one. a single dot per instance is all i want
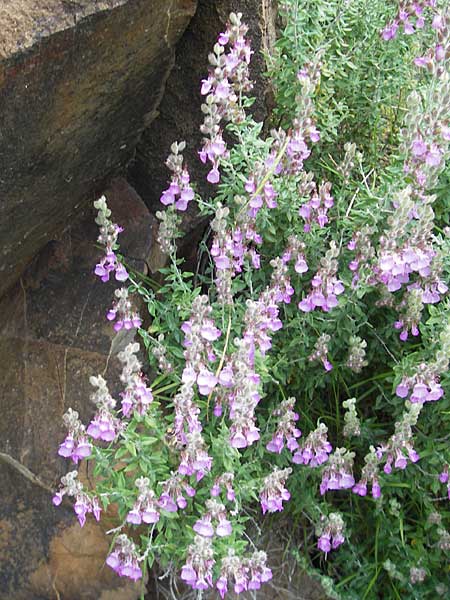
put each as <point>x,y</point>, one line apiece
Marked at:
<point>79,80</point>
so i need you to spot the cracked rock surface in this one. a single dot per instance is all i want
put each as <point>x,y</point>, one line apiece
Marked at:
<point>79,81</point>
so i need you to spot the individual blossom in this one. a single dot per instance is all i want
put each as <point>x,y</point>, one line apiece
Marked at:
<point>356,360</point>
<point>338,472</point>
<point>145,509</point>
<point>369,475</point>
<point>124,559</point>
<point>330,532</point>
<point>76,445</point>
<point>274,492</point>
<point>122,312</point>
<point>326,287</point>
<point>286,428</point>
<point>179,193</point>
<point>352,425</point>
<point>137,396</point>
<point>197,572</point>
<point>84,503</point>
<point>444,478</point>
<point>321,351</point>
<point>105,425</point>
<point>109,233</point>
<point>315,448</point>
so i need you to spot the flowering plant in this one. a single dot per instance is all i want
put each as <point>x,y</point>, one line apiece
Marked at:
<point>305,366</point>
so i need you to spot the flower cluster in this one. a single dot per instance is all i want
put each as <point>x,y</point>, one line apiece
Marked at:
<point>215,512</point>
<point>76,445</point>
<point>72,487</point>
<point>337,475</point>
<point>330,530</point>
<point>356,360</point>
<point>124,559</point>
<point>137,396</point>
<point>352,425</point>
<point>444,478</point>
<point>274,492</point>
<point>197,572</point>
<point>410,17</point>
<point>122,312</point>
<point>421,387</point>
<point>145,509</point>
<point>401,441</point>
<point>227,79</point>
<point>321,351</point>
<point>325,285</point>
<point>224,480</point>
<point>246,573</point>
<point>174,492</point>
<point>317,207</point>
<point>315,448</point>
<point>104,425</point>
<point>179,193</point>
<point>364,252</point>
<point>369,474</point>
<point>286,428</point>
<point>109,233</point>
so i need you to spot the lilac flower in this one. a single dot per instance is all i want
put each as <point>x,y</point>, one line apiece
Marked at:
<point>315,449</point>
<point>105,425</point>
<point>83,504</point>
<point>179,193</point>
<point>76,445</point>
<point>224,480</point>
<point>124,559</point>
<point>227,80</point>
<point>369,474</point>
<point>197,572</point>
<point>273,493</point>
<point>145,509</point>
<point>337,475</point>
<point>331,532</point>
<point>321,351</point>
<point>401,441</point>
<point>109,233</point>
<point>174,493</point>
<point>286,428</point>
<point>325,285</point>
<point>316,208</point>
<point>122,312</point>
<point>137,396</point>
<point>194,457</point>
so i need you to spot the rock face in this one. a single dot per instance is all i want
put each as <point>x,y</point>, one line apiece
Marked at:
<point>53,337</point>
<point>79,81</point>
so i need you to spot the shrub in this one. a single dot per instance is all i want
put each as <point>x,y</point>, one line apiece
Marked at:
<point>304,367</point>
